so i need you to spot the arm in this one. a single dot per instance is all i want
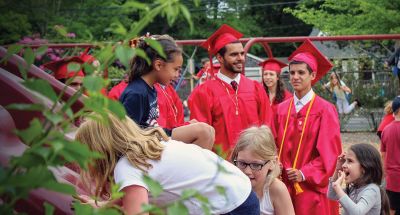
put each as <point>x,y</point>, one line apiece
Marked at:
<point>280,198</point>
<point>329,147</point>
<point>368,199</point>
<point>135,196</point>
<point>200,105</point>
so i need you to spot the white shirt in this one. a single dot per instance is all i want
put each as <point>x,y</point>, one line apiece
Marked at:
<point>300,103</point>
<point>228,80</point>
<point>187,166</point>
<point>266,206</point>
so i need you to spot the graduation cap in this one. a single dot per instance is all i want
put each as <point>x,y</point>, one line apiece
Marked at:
<point>273,65</point>
<point>60,68</point>
<point>310,55</point>
<point>220,38</point>
<point>87,58</point>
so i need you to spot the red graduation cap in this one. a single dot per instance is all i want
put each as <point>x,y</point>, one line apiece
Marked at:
<point>60,68</point>
<point>273,65</point>
<point>87,58</point>
<point>310,55</point>
<point>223,36</point>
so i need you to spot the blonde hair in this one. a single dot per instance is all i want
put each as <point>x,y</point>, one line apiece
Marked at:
<point>331,84</point>
<point>388,107</point>
<point>114,138</point>
<point>261,142</point>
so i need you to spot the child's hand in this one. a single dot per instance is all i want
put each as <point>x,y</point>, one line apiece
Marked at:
<point>337,185</point>
<point>340,161</point>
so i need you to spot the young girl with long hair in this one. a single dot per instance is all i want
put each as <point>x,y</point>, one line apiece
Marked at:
<point>140,97</point>
<point>256,155</point>
<point>361,168</point>
<point>130,153</point>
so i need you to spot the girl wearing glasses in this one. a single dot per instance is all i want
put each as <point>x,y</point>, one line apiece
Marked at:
<point>256,155</point>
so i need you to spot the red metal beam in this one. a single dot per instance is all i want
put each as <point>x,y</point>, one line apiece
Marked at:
<point>245,40</point>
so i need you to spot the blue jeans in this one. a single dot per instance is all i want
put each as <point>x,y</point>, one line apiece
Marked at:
<point>249,207</point>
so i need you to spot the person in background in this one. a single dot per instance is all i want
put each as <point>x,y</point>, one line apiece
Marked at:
<point>62,73</point>
<point>388,118</point>
<point>256,155</point>
<point>390,149</point>
<point>272,82</point>
<point>341,94</point>
<point>117,90</point>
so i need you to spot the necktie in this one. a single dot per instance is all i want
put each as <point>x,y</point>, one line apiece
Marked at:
<point>234,85</point>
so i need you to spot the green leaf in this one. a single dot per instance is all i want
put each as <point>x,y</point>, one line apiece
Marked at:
<point>59,187</point>
<point>12,49</point>
<point>156,46</point>
<point>28,107</point>
<point>117,108</point>
<point>41,86</point>
<point>152,209</point>
<point>125,54</point>
<point>115,194</point>
<point>177,208</point>
<point>53,117</point>
<point>29,57</point>
<point>82,209</point>
<point>117,28</point>
<point>154,186</point>
<point>93,83</point>
<point>61,30</point>
<point>73,67</point>
<point>28,160</point>
<point>49,209</point>
<point>41,50</point>
<point>186,14</point>
<point>222,191</point>
<point>137,5</point>
<point>188,193</point>
<point>139,52</point>
<point>34,130</point>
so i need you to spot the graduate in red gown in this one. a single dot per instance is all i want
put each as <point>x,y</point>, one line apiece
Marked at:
<point>170,107</point>
<point>61,72</point>
<point>272,82</point>
<point>117,90</point>
<point>308,135</point>
<point>230,102</point>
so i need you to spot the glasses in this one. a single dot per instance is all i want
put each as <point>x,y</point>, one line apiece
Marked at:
<point>253,166</point>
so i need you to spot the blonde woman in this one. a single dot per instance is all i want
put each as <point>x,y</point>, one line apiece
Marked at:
<point>341,92</point>
<point>256,155</point>
<point>129,153</point>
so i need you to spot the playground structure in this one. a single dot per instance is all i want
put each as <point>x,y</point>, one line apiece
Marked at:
<point>14,92</point>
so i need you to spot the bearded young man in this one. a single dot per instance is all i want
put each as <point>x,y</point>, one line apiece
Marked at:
<point>231,102</point>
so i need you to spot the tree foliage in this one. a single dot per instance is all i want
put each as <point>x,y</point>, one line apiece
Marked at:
<point>342,17</point>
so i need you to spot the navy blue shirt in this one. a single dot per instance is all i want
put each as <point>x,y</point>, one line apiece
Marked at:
<point>140,102</point>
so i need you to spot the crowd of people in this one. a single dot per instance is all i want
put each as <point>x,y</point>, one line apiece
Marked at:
<point>283,150</point>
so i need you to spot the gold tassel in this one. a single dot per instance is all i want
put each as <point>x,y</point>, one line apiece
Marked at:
<point>298,188</point>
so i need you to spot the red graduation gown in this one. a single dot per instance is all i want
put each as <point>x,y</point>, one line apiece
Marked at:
<point>170,107</point>
<point>318,153</point>
<point>211,103</point>
<point>117,90</point>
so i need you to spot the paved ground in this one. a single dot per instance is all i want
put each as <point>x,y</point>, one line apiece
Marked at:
<point>349,138</point>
